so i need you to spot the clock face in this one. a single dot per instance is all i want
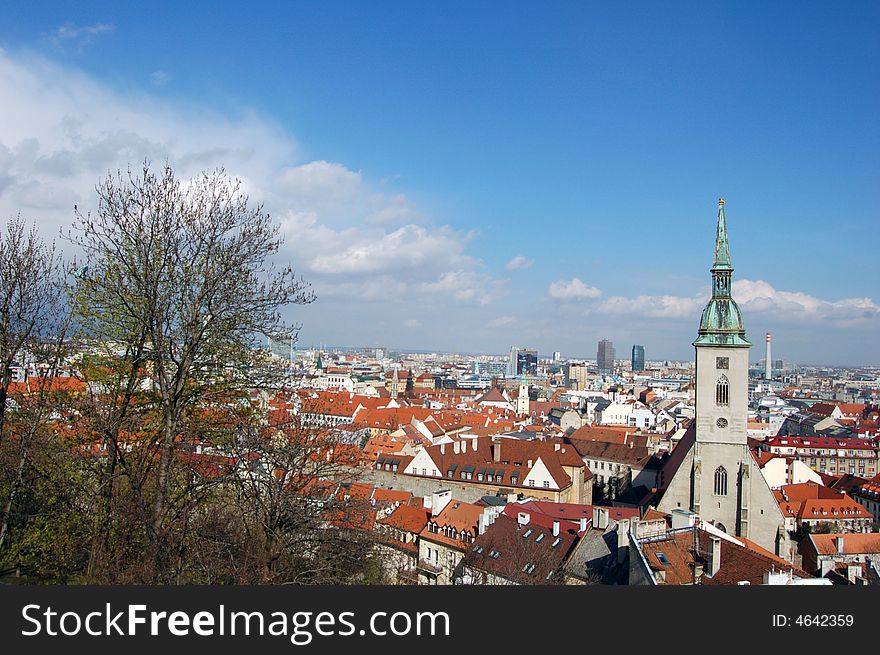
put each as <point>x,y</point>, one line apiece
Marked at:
<point>722,363</point>
<point>721,423</point>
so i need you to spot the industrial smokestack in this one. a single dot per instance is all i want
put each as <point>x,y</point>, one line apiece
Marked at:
<point>768,362</point>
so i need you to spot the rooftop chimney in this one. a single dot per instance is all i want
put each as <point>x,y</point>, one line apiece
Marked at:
<point>583,526</point>
<point>838,541</point>
<point>555,528</point>
<point>682,518</point>
<point>522,518</point>
<point>852,572</point>
<point>714,556</point>
<point>600,517</point>
<point>439,500</point>
<point>496,452</point>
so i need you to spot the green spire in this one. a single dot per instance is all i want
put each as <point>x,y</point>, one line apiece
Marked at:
<point>722,323</point>
<point>722,247</point>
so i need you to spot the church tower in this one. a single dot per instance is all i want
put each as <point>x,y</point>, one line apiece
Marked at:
<point>722,354</point>
<point>522,398</point>
<point>718,478</point>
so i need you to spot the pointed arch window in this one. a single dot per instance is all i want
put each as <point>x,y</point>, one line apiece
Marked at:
<point>720,481</point>
<point>722,391</point>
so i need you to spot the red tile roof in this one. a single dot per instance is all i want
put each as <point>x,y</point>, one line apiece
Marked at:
<point>408,519</point>
<point>853,543</point>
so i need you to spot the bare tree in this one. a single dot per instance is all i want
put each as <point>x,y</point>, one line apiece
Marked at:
<point>296,521</point>
<point>176,290</point>
<point>33,327</point>
<point>30,290</point>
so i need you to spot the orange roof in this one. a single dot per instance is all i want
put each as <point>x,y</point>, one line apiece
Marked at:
<point>604,433</point>
<point>459,515</point>
<point>408,519</point>
<point>391,496</point>
<point>35,384</point>
<point>390,418</point>
<point>853,543</point>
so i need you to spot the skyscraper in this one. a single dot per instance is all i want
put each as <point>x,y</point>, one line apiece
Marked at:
<point>605,356</point>
<point>527,362</point>
<point>511,362</point>
<point>638,358</point>
<point>522,360</point>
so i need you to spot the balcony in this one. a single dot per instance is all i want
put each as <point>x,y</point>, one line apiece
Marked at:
<point>429,567</point>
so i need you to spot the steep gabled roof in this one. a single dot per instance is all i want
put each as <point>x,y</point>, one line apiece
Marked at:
<point>522,554</point>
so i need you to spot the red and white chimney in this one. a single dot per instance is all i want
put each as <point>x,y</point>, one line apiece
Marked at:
<point>768,361</point>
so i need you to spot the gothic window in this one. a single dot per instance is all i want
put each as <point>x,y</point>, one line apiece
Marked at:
<point>720,481</point>
<point>722,391</point>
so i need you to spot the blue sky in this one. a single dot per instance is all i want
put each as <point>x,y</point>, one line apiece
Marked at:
<point>413,152</point>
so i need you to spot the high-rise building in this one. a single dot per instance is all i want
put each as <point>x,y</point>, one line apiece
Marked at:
<point>527,362</point>
<point>715,475</point>
<point>577,374</point>
<point>511,362</point>
<point>638,358</point>
<point>605,356</point>
<point>522,360</point>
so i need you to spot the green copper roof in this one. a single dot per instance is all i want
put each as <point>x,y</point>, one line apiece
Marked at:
<point>721,323</point>
<point>722,247</point>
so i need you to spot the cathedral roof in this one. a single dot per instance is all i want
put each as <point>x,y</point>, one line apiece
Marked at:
<point>721,323</point>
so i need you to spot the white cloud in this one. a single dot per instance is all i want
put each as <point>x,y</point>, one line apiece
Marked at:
<point>501,321</point>
<point>406,248</point>
<point>81,35</point>
<point>573,289</point>
<point>519,262</point>
<point>653,306</point>
<point>62,130</point>
<point>758,297</point>
<point>465,286</point>
<point>755,297</point>
<point>411,323</point>
<point>160,78</point>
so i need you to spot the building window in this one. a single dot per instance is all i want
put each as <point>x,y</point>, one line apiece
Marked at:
<point>720,481</point>
<point>722,391</point>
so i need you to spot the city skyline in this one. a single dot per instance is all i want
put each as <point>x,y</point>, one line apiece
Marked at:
<point>521,196</point>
